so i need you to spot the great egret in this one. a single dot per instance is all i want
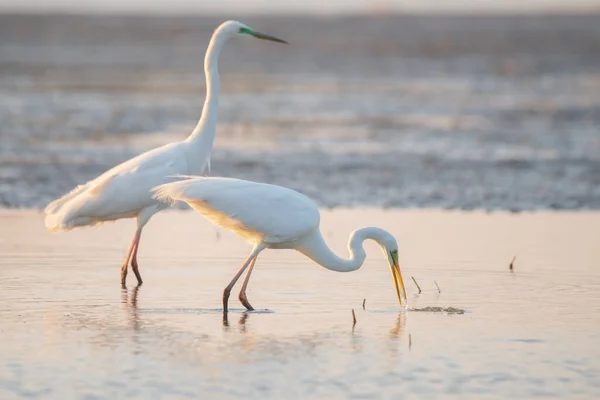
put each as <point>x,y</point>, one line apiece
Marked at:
<point>124,191</point>
<point>274,217</point>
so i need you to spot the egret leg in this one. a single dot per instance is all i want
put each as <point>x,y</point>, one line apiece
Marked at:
<point>142,219</point>
<point>242,296</point>
<point>227,290</point>
<point>134,264</point>
<point>128,257</point>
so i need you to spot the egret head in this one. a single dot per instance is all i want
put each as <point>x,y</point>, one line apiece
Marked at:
<point>389,246</point>
<point>387,243</point>
<point>233,28</point>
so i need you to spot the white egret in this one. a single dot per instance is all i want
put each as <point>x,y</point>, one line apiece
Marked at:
<point>124,191</point>
<point>274,217</point>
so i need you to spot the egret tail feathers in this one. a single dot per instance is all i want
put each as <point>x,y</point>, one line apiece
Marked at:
<point>66,213</point>
<point>168,193</point>
<point>61,221</point>
<point>97,189</point>
<point>55,206</point>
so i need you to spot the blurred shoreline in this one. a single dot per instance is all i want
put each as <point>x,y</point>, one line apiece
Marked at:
<point>497,112</point>
<point>306,7</point>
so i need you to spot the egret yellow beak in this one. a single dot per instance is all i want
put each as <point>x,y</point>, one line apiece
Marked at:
<point>398,282</point>
<point>266,37</point>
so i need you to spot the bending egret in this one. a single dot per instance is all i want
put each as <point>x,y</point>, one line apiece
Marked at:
<point>274,217</point>
<point>124,191</point>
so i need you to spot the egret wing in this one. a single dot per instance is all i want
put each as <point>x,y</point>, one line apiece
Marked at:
<point>129,191</point>
<point>145,161</point>
<point>250,209</point>
<point>119,193</point>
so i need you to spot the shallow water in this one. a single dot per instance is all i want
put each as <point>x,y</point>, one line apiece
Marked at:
<point>68,330</point>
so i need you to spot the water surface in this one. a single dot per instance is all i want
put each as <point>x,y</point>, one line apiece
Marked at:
<point>68,330</point>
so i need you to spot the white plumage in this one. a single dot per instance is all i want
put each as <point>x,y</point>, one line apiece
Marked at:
<point>241,207</point>
<point>124,191</point>
<point>271,216</point>
<point>121,192</point>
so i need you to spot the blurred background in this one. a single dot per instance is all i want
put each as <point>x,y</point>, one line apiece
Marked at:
<point>399,103</point>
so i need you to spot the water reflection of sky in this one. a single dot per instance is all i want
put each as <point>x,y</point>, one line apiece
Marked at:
<point>68,330</point>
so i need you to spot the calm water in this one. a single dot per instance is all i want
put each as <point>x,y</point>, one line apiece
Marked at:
<point>68,331</point>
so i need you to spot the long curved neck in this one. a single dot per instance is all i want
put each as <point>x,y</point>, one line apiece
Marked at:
<point>206,127</point>
<point>315,248</point>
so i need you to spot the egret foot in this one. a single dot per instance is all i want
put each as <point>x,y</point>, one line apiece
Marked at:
<point>134,267</point>
<point>226,294</point>
<point>250,260</point>
<point>123,275</point>
<point>242,296</point>
<point>134,263</point>
<point>131,255</point>
<point>245,302</point>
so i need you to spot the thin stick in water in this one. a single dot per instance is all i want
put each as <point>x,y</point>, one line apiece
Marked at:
<point>439,291</point>
<point>364,301</point>
<point>353,318</point>
<point>511,266</point>
<point>409,341</point>
<point>414,280</point>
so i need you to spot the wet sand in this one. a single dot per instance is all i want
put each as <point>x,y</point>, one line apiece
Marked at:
<point>68,330</point>
<point>468,112</point>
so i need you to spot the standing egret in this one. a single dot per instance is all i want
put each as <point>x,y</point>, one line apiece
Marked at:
<point>124,191</point>
<point>274,217</point>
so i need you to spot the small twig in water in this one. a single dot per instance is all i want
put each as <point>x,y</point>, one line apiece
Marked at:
<point>418,287</point>
<point>511,266</point>
<point>364,301</point>
<point>409,341</point>
<point>439,291</point>
<point>353,318</point>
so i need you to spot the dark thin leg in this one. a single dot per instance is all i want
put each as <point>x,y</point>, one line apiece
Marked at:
<point>134,264</point>
<point>227,290</point>
<point>242,296</point>
<point>127,258</point>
